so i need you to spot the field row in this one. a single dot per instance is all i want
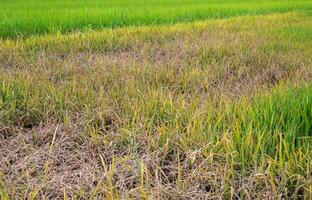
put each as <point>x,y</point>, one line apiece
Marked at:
<point>24,18</point>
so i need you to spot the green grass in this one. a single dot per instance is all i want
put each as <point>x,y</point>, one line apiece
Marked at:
<point>25,18</point>
<point>158,105</point>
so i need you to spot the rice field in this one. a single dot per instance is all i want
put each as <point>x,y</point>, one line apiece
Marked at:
<point>22,18</point>
<point>155,100</point>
